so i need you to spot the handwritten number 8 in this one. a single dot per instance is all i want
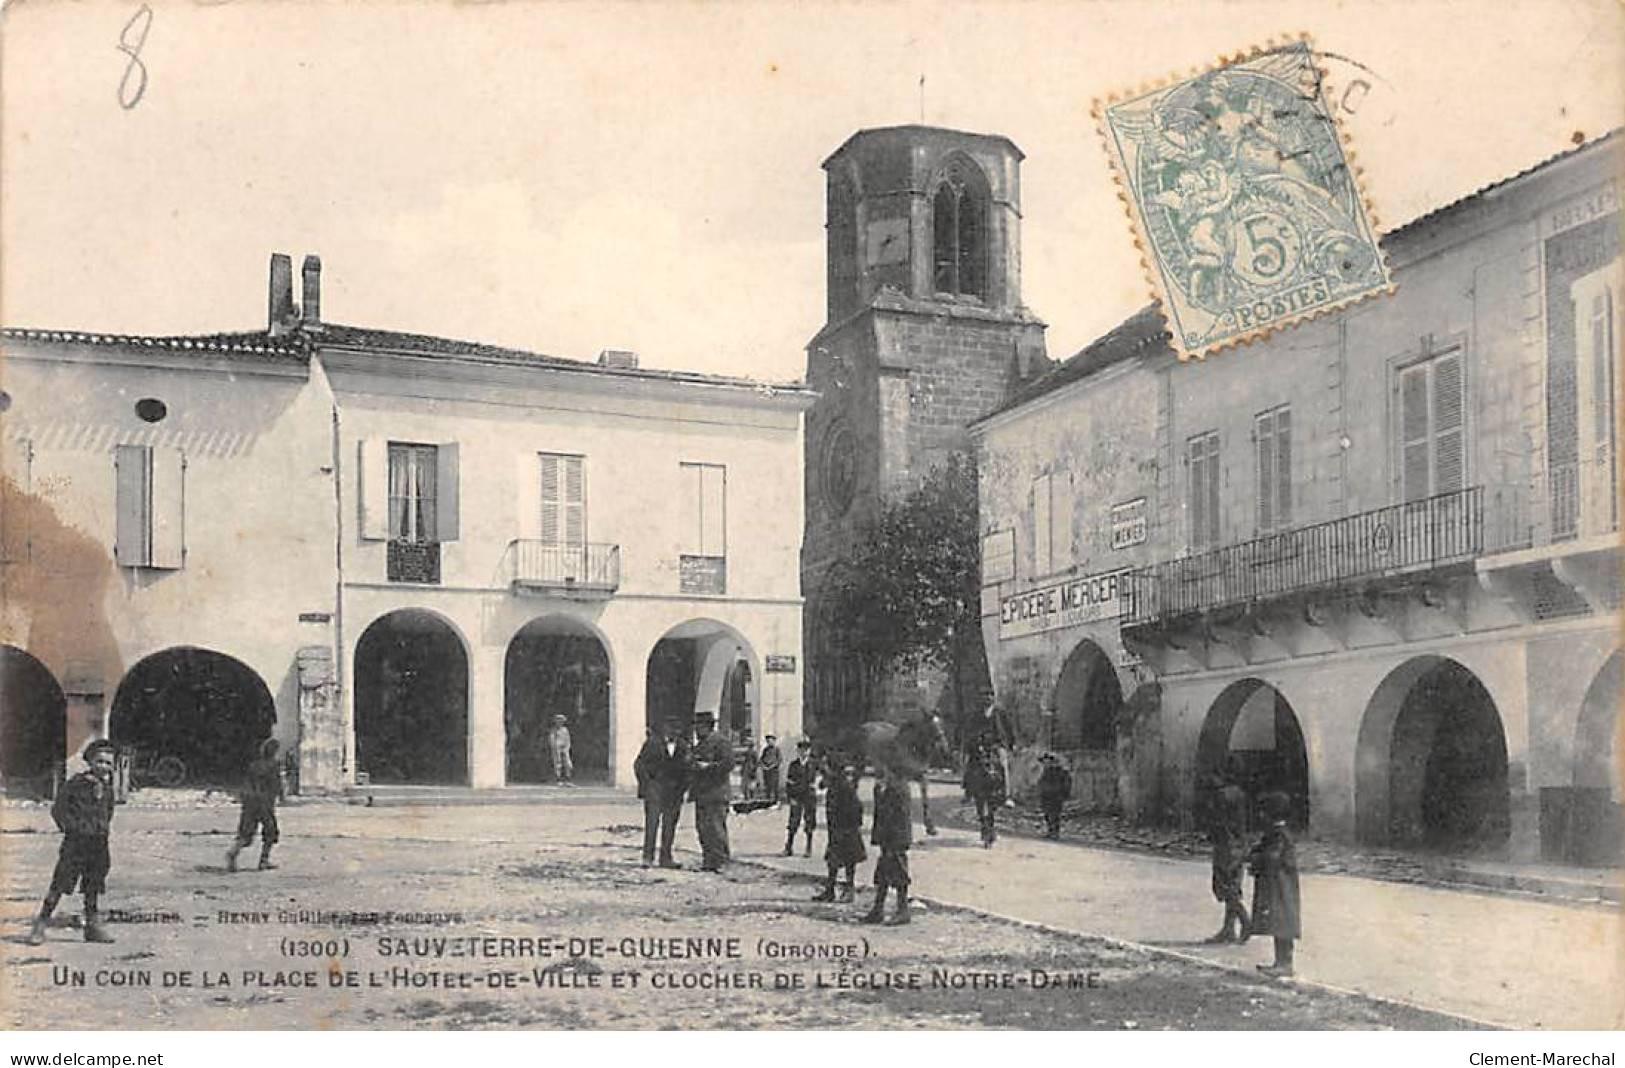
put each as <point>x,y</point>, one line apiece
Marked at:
<point>130,92</point>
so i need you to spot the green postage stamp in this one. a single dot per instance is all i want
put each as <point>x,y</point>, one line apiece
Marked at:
<point>1242,191</point>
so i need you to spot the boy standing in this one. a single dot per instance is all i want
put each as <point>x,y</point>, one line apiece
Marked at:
<point>893,832</point>
<point>262,789</point>
<point>801,790</point>
<point>558,742</point>
<point>1276,905</point>
<point>1226,826</point>
<point>769,762</point>
<point>1054,788</point>
<point>844,810</point>
<point>84,814</point>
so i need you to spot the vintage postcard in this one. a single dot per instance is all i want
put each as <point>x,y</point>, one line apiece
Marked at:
<point>606,517</point>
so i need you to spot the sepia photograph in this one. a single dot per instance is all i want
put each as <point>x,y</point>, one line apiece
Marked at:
<point>763,516</point>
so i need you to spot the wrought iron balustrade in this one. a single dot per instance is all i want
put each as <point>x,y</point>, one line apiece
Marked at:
<point>1431,532</point>
<point>587,567</point>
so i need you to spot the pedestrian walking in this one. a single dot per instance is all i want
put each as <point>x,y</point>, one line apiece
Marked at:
<point>1227,826</point>
<point>262,789</point>
<point>1276,902</point>
<point>843,814</point>
<point>769,762</point>
<point>1054,790</point>
<point>747,767</point>
<point>985,782</point>
<point>893,831</point>
<point>661,768</point>
<point>558,744</point>
<point>83,812</point>
<point>801,790</point>
<point>710,765</point>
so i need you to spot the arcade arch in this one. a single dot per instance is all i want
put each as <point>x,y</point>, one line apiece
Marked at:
<point>1251,735</point>
<point>411,700</point>
<point>1088,701</point>
<point>205,709</point>
<point>703,665</point>
<point>33,723</point>
<point>557,666</point>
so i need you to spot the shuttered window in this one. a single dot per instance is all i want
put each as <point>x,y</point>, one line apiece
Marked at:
<point>1043,530</point>
<point>1202,493</point>
<point>563,499</point>
<point>1273,432</point>
<point>704,503</point>
<point>1049,521</point>
<point>150,506</point>
<point>1432,426</point>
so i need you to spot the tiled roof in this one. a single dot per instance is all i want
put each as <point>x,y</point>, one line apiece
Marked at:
<point>395,341</point>
<point>1142,332</point>
<point>249,343</point>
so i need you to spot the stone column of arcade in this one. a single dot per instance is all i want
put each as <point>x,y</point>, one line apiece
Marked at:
<point>487,740</point>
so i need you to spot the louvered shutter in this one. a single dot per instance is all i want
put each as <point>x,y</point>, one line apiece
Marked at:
<point>1061,504</point>
<point>168,507</point>
<point>1413,433</point>
<point>372,488</point>
<point>1283,468</point>
<point>132,472</point>
<point>1196,463</point>
<point>575,501</point>
<point>528,495</point>
<point>1449,444</point>
<point>552,499</point>
<point>1213,512</point>
<point>1264,431</point>
<point>446,523</point>
<point>1043,561</point>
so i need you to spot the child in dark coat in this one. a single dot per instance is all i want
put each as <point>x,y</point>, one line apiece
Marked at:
<point>1276,909</point>
<point>262,789</point>
<point>1226,828</point>
<point>1054,788</point>
<point>843,814</point>
<point>893,832</point>
<point>83,812</point>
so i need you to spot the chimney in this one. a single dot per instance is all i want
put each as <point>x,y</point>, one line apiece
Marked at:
<point>618,360</point>
<point>311,317</point>
<point>281,314</point>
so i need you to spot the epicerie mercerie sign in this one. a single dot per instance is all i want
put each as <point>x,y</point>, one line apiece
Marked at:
<point>1065,604</point>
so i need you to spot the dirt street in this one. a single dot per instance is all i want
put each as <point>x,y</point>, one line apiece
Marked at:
<point>540,916</point>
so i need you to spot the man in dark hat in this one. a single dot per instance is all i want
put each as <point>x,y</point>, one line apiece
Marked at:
<point>769,763</point>
<point>1054,790</point>
<point>801,790</point>
<point>662,772</point>
<point>84,814</point>
<point>710,764</point>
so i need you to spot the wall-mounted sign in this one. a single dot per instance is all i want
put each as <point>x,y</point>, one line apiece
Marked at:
<point>780,664</point>
<point>998,557</point>
<point>1065,604</point>
<point>1128,523</point>
<point>315,617</point>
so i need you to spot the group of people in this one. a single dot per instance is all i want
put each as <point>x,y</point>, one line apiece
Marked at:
<point>1273,861</point>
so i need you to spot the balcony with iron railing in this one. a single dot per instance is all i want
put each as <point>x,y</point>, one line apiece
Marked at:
<point>587,569</point>
<point>1415,536</point>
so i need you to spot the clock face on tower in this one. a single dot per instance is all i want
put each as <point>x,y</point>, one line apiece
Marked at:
<point>885,242</point>
<point>839,468</point>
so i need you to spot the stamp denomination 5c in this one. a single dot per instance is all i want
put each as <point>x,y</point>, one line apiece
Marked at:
<point>1247,207</point>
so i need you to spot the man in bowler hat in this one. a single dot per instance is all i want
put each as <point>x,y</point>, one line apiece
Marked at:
<point>709,766</point>
<point>662,772</point>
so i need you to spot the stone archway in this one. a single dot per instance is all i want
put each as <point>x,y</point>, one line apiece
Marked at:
<point>556,666</point>
<point>1088,700</point>
<point>1595,823</point>
<point>1251,736</point>
<point>689,671</point>
<point>204,709</point>
<point>411,700</point>
<point>33,724</point>
<point>1431,761</point>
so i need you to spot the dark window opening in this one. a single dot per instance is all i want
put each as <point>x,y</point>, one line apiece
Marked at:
<point>959,240</point>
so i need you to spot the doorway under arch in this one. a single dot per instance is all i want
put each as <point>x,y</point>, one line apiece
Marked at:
<point>692,668</point>
<point>205,709</point>
<point>556,666</point>
<point>33,724</point>
<point>411,700</point>
<point>1251,737</point>
<point>1088,701</point>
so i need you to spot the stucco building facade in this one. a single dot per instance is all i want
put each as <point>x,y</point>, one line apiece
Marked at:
<point>1371,561</point>
<point>401,555</point>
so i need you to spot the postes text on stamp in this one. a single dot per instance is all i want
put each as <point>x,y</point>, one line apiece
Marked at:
<point>1248,210</point>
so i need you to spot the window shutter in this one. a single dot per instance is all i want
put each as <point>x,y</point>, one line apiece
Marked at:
<point>713,511</point>
<point>552,499</point>
<point>689,493</point>
<point>528,499</point>
<point>575,501</point>
<point>168,501</point>
<point>1213,488</point>
<point>446,525</point>
<point>132,473</point>
<point>1196,463</point>
<point>1283,467</point>
<point>1413,432</point>
<point>1448,442</point>
<point>372,488</point>
<point>1043,532</point>
<point>1263,431</point>
<point>1061,520</point>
